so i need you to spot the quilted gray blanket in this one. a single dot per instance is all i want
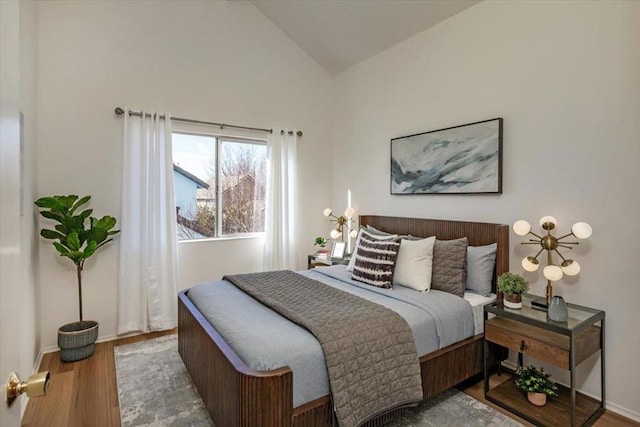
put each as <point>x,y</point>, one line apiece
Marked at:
<point>369,350</point>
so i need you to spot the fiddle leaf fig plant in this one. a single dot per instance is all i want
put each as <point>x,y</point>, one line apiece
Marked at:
<point>76,236</point>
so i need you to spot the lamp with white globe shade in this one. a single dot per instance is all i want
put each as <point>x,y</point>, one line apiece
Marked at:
<point>551,244</point>
<point>521,227</point>
<point>552,272</point>
<point>530,264</point>
<point>581,230</point>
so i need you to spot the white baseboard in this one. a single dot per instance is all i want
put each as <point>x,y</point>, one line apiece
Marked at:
<point>609,406</point>
<point>104,338</point>
<point>627,413</point>
<point>36,365</point>
<point>49,349</point>
<point>113,337</point>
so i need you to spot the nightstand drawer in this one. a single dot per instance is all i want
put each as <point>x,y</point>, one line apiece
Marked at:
<point>530,340</point>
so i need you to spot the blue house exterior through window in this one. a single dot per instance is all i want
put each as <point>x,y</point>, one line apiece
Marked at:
<point>219,185</point>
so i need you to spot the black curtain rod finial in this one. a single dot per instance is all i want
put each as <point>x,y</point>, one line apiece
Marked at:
<point>119,111</point>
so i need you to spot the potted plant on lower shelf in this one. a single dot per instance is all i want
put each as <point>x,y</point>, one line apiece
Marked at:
<point>74,240</point>
<point>536,384</point>
<point>512,286</point>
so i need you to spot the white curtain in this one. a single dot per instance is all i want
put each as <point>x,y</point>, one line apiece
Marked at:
<point>280,218</point>
<point>148,276</point>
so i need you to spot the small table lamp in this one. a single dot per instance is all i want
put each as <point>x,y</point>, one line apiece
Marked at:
<point>552,272</point>
<point>342,222</point>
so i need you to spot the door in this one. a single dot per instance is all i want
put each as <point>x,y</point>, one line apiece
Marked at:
<point>10,240</point>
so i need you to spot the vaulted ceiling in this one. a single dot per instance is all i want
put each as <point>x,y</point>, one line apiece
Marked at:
<point>340,33</point>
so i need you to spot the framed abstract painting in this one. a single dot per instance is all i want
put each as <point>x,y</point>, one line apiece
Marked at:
<point>465,159</point>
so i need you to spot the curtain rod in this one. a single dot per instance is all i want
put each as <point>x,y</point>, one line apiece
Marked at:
<point>119,112</point>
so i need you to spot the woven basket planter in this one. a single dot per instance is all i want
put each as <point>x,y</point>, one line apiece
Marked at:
<point>75,343</point>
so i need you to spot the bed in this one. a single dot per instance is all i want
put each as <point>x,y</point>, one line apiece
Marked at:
<point>237,395</point>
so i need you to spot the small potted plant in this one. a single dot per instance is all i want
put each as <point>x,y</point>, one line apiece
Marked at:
<point>74,240</point>
<point>320,241</point>
<point>536,384</point>
<point>323,252</point>
<point>512,286</point>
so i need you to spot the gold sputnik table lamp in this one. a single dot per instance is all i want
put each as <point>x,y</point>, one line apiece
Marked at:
<point>552,272</point>
<point>342,222</point>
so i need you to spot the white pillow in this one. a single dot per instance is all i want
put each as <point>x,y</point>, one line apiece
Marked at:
<point>414,264</point>
<point>354,254</point>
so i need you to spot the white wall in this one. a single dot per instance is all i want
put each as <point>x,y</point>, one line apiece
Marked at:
<point>565,76</point>
<point>217,61</point>
<point>242,255</point>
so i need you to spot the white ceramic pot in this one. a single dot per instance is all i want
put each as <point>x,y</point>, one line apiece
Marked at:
<point>513,301</point>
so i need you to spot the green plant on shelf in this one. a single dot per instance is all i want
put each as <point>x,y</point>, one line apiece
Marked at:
<point>532,380</point>
<point>320,241</point>
<point>511,283</point>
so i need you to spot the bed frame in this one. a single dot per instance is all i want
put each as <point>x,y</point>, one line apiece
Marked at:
<point>236,395</point>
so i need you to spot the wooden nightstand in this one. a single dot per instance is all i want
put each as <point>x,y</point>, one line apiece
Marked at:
<point>563,344</point>
<point>313,260</point>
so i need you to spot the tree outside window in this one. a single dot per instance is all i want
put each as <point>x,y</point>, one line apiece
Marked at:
<point>220,185</point>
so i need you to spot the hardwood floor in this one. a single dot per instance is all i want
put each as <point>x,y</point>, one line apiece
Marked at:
<point>84,393</point>
<point>476,390</point>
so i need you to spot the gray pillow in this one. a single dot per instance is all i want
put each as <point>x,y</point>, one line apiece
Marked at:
<point>374,230</point>
<point>450,266</point>
<point>481,261</point>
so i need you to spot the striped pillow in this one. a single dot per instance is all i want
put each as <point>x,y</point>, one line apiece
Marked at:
<point>375,261</point>
<point>352,261</point>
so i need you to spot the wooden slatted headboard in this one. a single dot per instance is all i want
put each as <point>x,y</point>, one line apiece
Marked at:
<point>478,234</point>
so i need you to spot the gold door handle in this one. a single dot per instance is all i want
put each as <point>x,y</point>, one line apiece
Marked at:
<point>36,385</point>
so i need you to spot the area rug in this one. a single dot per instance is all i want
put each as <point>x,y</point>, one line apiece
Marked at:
<point>154,389</point>
<point>452,408</point>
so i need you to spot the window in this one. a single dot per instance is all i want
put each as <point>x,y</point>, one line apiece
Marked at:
<point>220,185</point>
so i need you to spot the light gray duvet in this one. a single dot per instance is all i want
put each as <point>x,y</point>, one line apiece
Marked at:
<point>264,340</point>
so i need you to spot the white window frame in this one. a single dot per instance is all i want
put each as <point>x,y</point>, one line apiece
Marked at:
<point>219,137</point>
